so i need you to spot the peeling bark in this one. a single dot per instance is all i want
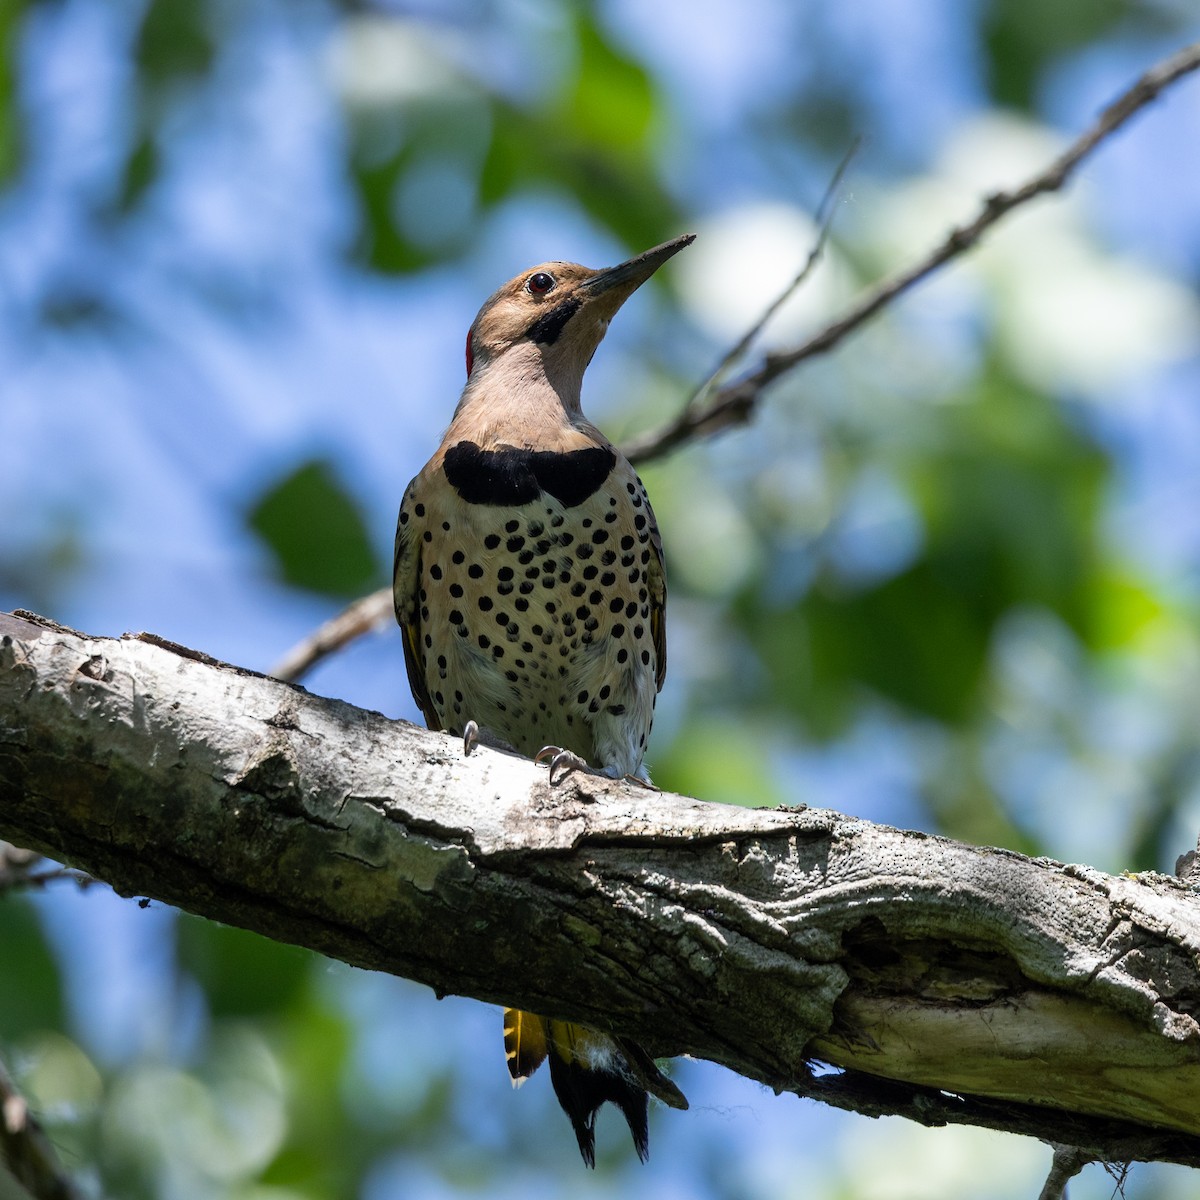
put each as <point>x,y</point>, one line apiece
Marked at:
<point>951,983</point>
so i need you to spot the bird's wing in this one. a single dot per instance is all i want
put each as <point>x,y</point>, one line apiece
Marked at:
<point>657,578</point>
<point>406,587</point>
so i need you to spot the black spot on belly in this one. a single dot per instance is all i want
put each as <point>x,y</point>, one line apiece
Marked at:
<point>512,476</point>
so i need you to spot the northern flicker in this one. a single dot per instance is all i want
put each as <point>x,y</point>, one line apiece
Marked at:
<point>530,591</point>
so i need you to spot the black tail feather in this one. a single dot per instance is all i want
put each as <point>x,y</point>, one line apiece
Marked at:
<point>582,1090</point>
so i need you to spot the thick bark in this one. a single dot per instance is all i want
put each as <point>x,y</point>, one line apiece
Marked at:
<point>950,982</point>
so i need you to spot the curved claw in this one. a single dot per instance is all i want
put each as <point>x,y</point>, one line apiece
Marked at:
<point>566,760</point>
<point>470,737</point>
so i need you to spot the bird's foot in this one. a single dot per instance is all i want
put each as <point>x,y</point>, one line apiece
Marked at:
<point>475,735</point>
<point>562,760</point>
<point>566,761</point>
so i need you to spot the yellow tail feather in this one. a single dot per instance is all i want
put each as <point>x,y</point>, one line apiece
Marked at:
<point>524,1043</point>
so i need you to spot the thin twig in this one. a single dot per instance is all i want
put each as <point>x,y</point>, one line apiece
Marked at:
<point>734,404</point>
<point>709,412</point>
<point>1119,1173</point>
<point>27,1151</point>
<point>824,218</point>
<point>366,614</point>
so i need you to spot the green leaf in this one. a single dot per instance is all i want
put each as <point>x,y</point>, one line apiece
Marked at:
<point>1012,503</point>
<point>316,533</point>
<point>1125,608</point>
<point>916,639</point>
<point>383,243</point>
<point>380,244</point>
<point>396,148</point>
<point>325,1154</point>
<point>589,143</point>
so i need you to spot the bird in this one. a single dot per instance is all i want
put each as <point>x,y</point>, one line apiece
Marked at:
<point>531,597</point>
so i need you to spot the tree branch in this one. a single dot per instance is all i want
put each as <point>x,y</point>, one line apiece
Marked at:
<point>1066,1164</point>
<point>950,983</point>
<point>824,219</point>
<point>360,617</point>
<point>734,403</point>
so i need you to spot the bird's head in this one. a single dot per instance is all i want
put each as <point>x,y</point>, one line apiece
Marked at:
<point>556,314</point>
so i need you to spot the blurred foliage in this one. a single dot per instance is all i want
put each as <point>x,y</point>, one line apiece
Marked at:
<point>242,975</point>
<point>587,138</point>
<point>174,49</point>
<point>1023,34</point>
<point>37,1003</point>
<point>316,532</point>
<point>1009,629</point>
<point>11,132</point>
<point>1009,500</point>
<point>174,43</point>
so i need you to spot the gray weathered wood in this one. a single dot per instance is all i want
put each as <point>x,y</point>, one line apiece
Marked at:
<point>1048,999</point>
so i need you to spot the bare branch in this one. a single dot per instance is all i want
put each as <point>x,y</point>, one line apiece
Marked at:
<point>24,870</point>
<point>734,404</point>
<point>948,983</point>
<point>825,215</point>
<point>1068,1161</point>
<point>365,615</point>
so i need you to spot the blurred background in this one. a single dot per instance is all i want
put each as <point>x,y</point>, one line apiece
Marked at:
<point>948,579</point>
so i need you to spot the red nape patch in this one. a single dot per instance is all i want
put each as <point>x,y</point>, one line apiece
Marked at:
<point>470,354</point>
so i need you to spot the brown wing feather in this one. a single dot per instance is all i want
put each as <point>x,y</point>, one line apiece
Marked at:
<point>657,579</point>
<point>406,587</point>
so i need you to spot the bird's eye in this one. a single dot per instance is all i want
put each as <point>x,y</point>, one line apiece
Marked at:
<point>539,284</point>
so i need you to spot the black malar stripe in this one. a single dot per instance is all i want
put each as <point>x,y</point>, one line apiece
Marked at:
<point>549,325</point>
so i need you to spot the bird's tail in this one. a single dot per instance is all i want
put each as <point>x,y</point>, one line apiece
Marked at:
<point>587,1068</point>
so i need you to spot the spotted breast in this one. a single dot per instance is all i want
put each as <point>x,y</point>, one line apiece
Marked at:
<point>540,619</point>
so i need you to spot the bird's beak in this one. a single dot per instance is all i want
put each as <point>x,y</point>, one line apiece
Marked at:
<point>617,284</point>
